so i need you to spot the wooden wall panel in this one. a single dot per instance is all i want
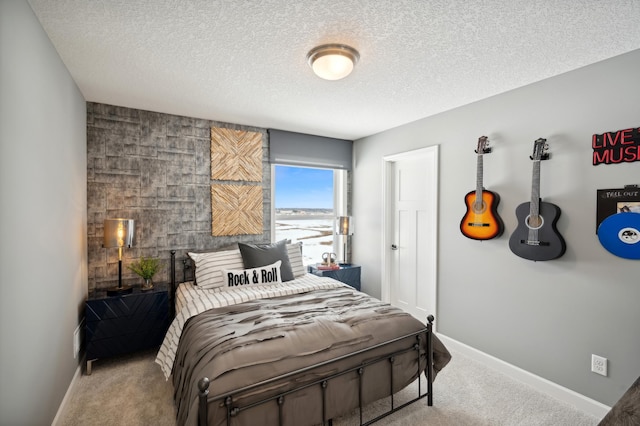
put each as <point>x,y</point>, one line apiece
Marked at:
<point>236,209</point>
<point>236,155</point>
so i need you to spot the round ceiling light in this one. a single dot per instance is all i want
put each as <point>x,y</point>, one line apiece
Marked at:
<point>333,61</point>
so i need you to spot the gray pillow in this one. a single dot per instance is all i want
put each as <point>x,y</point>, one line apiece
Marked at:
<point>256,255</point>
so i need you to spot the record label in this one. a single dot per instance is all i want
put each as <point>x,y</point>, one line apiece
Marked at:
<point>620,234</point>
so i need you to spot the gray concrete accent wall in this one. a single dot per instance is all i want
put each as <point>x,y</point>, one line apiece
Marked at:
<point>544,317</point>
<point>154,168</point>
<point>43,208</point>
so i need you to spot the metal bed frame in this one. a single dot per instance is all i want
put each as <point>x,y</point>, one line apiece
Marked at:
<point>233,409</point>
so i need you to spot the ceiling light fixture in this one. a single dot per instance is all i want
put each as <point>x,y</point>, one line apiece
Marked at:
<point>332,61</point>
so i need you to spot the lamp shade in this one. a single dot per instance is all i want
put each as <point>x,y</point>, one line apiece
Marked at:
<point>344,225</point>
<point>118,232</point>
<point>332,61</point>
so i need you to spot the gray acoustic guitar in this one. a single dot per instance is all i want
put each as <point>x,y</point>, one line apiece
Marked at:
<point>536,237</point>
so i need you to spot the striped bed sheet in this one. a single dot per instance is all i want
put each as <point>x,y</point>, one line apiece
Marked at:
<point>191,300</point>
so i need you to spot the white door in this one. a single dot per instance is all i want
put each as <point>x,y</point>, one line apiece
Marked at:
<point>411,224</point>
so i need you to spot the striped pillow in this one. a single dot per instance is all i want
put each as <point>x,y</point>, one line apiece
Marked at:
<point>209,266</point>
<point>295,258</point>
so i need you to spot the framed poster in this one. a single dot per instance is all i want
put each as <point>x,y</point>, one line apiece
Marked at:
<point>621,200</point>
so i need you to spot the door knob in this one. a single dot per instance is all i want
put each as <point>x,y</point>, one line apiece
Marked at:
<point>394,247</point>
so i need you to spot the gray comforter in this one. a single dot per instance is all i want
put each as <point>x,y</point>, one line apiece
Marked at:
<point>243,344</point>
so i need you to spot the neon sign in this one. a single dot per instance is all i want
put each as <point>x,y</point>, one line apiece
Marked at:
<point>622,146</point>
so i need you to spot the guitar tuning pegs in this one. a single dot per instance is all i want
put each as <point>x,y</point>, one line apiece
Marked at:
<point>483,146</point>
<point>545,155</point>
<point>487,147</point>
<point>540,146</point>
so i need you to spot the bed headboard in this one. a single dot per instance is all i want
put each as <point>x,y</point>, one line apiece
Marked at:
<point>188,274</point>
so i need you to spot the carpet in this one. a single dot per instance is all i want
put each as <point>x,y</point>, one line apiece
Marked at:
<point>132,391</point>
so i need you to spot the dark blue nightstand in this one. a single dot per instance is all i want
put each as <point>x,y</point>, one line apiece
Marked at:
<point>118,325</point>
<point>348,274</point>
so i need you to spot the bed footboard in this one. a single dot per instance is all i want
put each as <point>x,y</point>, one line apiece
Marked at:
<point>233,409</point>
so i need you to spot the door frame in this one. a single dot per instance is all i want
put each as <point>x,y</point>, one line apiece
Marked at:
<point>430,154</point>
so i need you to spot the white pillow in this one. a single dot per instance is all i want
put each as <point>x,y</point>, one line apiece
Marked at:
<point>209,266</point>
<point>295,258</point>
<point>269,274</point>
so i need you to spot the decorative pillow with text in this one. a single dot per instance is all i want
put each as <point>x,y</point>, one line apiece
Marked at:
<point>269,274</point>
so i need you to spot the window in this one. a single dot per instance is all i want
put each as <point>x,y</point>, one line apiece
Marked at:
<point>305,204</point>
<point>309,186</point>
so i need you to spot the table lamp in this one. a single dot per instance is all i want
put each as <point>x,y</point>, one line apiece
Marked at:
<point>344,227</point>
<point>118,233</point>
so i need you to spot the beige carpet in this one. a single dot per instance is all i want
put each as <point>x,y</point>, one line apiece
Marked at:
<point>131,391</point>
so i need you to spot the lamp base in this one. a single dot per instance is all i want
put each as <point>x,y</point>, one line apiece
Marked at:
<point>118,291</point>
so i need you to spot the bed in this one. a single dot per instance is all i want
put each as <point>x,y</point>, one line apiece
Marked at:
<point>299,351</point>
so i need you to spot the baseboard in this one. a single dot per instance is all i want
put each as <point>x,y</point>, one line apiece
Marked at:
<point>545,386</point>
<point>67,395</point>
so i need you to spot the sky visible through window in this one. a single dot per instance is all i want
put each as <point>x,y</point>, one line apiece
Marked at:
<point>303,187</point>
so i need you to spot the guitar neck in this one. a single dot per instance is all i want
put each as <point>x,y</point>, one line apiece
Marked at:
<point>479,173</point>
<point>534,207</point>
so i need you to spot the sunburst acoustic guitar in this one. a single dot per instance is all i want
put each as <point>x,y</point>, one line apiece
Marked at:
<point>536,237</point>
<point>481,221</point>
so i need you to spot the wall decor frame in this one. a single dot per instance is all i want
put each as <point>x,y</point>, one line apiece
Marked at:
<point>612,201</point>
<point>236,155</point>
<point>236,209</point>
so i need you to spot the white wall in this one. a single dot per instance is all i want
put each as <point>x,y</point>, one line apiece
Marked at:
<point>43,249</point>
<point>545,317</point>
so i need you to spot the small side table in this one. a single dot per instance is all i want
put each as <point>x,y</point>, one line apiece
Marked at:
<point>348,274</point>
<point>118,325</point>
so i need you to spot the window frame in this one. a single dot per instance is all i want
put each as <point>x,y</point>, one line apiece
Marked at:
<point>340,199</point>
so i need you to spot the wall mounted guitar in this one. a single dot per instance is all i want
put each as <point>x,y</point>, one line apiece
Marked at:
<point>536,237</point>
<point>481,221</point>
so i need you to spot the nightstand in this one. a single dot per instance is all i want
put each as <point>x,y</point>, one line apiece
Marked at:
<point>118,325</point>
<point>348,274</point>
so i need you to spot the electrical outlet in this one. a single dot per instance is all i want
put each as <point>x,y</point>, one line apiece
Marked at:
<point>599,365</point>
<point>76,342</point>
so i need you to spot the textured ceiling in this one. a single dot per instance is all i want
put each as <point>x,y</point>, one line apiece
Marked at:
<point>243,61</point>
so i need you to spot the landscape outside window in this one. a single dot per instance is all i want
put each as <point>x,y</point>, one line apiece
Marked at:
<point>304,210</point>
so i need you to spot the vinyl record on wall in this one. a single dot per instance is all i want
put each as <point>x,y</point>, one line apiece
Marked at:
<point>618,200</point>
<point>620,234</point>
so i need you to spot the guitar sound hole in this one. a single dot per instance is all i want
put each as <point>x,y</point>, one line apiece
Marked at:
<point>534,222</point>
<point>479,207</point>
